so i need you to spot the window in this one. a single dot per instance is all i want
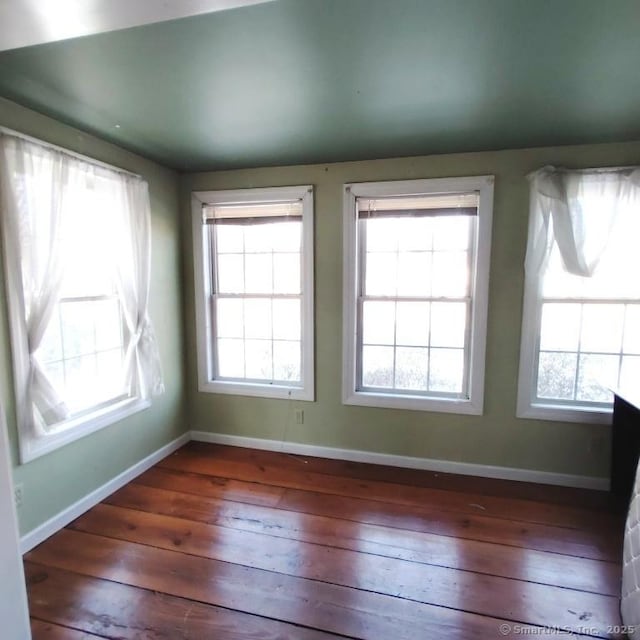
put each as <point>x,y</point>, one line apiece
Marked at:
<point>76,244</point>
<point>253,253</point>
<point>416,279</point>
<point>581,323</point>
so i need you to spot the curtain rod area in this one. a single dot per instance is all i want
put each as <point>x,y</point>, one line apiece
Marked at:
<point>73,154</point>
<point>554,169</point>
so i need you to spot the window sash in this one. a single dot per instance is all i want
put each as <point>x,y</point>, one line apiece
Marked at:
<point>362,297</point>
<point>214,298</point>
<point>620,353</point>
<point>122,347</point>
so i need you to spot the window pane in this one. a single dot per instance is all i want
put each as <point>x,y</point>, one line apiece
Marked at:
<point>556,375</point>
<point>230,274</point>
<point>378,322</point>
<point>110,372</point>
<point>446,369</point>
<point>259,238</point>
<point>377,366</point>
<point>108,324</point>
<point>450,274</point>
<point>451,232</point>
<point>286,273</point>
<point>259,359</point>
<point>595,374</point>
<point>632,329</point>
<point>287,236</point>
<point>230,318</point>
<point>78,335</point>
<point>286,361</point>
<point>381,272</point>
<point>448,324</point>
<point>258,276</point>
<point>230,238</point>
<point>630,372</point>
<point>414,274</point>
<point>230,358</point>
<point>602,327</point>
<point>382,234</point>
<point>415,234</point>
<point>412,323</point>
<point>412,368</point>
<point>286,319</point>
<point>257,318</point>
<point>82,388</point>
<point>560,327</point>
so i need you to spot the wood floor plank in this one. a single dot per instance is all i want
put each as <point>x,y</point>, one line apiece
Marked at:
<point>577,542</point>
<point>497,597</point>
<point>425,548</point>
<point>203,462</point>
<point>113,610</point>
<point>223,542</point>
<point>41,630</point>
<point>317,605</point>
<point>568,496</point>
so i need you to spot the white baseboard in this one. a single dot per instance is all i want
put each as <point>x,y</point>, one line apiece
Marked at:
<point>428,464</point>
<point>62,519</point>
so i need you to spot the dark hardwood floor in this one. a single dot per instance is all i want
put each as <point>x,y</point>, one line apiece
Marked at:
<point>228,543</point>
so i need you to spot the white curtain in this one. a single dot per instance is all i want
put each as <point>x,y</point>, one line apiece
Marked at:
<point>33,221</point>
<point>143,373</point>
<point>576,210</point>
<point>39,187</point>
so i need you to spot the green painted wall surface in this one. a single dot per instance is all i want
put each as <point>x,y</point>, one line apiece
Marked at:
<point>497,437</point>
<point>55,481</point>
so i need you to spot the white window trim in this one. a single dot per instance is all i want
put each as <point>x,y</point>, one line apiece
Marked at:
<point>528,406</point>
<point>350,395</point>
<point>77,427</point>
<point>203,289</point>
<point>32,445</point>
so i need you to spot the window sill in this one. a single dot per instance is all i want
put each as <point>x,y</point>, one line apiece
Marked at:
<point>76,428</point>
<point>413,403</point>
<point>567,413</point>
<point>257,390</point>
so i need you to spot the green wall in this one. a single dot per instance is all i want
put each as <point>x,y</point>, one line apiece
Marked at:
<point>497,437</point>
<point>57,480</point>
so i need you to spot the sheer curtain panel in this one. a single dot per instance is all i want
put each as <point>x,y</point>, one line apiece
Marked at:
<point>56,207</point>
<point>577,211</point>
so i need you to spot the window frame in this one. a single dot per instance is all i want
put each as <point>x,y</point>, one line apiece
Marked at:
<point>351,339</point>
<point>528,406</point>
<point>203,256</point>
<point>32,444</point>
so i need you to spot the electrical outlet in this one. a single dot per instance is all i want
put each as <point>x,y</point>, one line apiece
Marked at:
<point>299,416</point>
<point>18,491</point>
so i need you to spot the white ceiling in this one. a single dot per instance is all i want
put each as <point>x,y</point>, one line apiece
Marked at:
<point>28,22</point>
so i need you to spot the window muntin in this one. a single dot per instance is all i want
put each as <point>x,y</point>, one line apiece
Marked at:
<point>253,262</point>
<point>414,302</point>
<point>416,342</point>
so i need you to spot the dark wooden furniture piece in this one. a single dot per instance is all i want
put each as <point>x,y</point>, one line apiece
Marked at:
<point>626,442</point>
